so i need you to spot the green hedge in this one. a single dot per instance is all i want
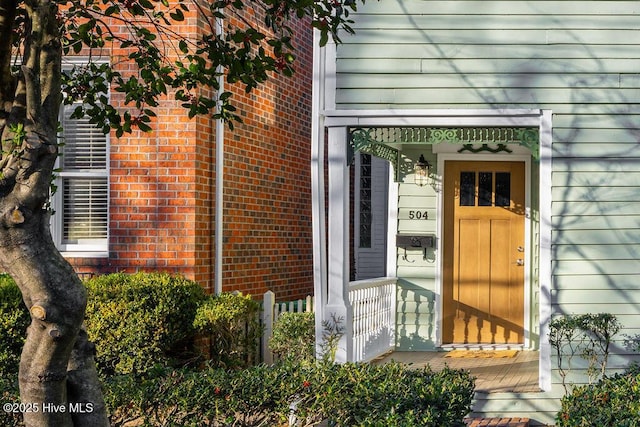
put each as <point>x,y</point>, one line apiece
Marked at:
<point>294,337</point>
<point>14,319</point>
<point>611,402</point>
<point>231,321</point>
<point>140,320</point>
<point>9,395</point>
<point>345,395</point>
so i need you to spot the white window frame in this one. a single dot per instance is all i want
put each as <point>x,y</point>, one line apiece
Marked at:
<point>87,247</point>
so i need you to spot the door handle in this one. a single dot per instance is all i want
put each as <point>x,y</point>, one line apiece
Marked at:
<point>519,262</point>
<point>520,249</point>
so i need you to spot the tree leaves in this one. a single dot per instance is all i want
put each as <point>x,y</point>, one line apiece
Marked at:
<point>169,59</point>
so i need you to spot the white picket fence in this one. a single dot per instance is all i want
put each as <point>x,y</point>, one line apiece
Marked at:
<point>373,304</point>
<point>270,312</point>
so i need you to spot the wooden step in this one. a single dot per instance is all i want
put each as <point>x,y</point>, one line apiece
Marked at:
<point>497,422</point>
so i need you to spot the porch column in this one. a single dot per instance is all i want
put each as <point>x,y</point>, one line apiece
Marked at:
<point>338,307</point>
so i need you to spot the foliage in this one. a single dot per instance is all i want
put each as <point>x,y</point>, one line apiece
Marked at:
<point>293,337</point>
<point>350,394</point>
<point>587,336</point>
<point>14,319</point>
<point>246,52</point>
<point>612,401</point>
<point>332,331</point>
<point>389,394</point>
<point>231,322</point>
<point>140,320</point>
<point>9,395</point>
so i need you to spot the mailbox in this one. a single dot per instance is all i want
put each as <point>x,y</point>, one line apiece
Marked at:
<point>417,241</point>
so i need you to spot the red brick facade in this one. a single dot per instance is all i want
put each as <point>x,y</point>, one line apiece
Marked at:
<point>162,191</point>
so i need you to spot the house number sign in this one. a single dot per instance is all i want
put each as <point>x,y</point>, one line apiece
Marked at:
<point>418,214</point>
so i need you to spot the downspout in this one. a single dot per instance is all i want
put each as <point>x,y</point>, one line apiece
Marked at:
<point>219,178</point>
<point>317,191</point>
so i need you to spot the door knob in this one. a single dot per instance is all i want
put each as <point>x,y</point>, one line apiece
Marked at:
<point>520,249</point>
<point>520,262</point>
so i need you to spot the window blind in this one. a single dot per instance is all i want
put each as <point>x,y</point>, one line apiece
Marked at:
<point>84,188</point>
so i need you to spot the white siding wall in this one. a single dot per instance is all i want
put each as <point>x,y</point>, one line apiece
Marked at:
<point>417,317</point>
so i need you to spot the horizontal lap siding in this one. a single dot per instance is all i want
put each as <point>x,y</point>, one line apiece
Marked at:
<point>417,293</point>
<point>580,59</point>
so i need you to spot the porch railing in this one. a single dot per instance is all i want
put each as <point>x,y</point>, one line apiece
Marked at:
<point>373,302</point>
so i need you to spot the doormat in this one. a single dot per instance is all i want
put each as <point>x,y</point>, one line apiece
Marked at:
<point>481,354</point>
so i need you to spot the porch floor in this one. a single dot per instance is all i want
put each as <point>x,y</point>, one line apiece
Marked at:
<point>517,374</point>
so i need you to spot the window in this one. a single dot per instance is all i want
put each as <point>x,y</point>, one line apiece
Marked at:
<point>491,192</point>
<point>366,211</point>
<point>81,202</point>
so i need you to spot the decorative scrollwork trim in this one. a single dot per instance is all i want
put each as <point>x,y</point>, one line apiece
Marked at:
<point>379,141</point>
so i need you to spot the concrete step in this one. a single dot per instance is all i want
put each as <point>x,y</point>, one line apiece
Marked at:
<point>497,422</point>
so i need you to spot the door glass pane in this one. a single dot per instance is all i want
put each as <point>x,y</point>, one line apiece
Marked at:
<point>485,187</point>
<point>503,188</point>
<point>467,188</point>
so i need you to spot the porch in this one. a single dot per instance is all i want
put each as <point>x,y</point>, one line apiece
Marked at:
<point>505,386</point>
<point>372,337</point>
<point>518,374</point>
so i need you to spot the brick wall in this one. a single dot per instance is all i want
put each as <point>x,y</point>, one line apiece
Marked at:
<point>267,233</point>
<point>163,191</point>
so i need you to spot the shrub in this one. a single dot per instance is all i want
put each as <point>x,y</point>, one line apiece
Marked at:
<point>9,395</point>
<point>389,394</point>
<point>587,336</point>
<point>612,401</point>
<point>350,394</point>
<point>259,395</point>
<point>294,337</point>
<point>140,320</point>
<point>231,321</point>
<point>14,319</point>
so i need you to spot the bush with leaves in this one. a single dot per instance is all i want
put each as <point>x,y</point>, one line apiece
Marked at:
<point>9,395</point>
<point>389,394</point>
<point>140,320</point>
<point>611,402</point>
<point>294,337</point>
<point>231,322</point>
<point>14,319</point>
<point>349,394</point>
<point>587,336</point>
<point>259,395</point>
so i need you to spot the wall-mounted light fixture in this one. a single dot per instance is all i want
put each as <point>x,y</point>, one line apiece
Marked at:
<point>421,171</point>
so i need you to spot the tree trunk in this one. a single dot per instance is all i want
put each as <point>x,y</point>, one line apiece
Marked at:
<point>58,382</point>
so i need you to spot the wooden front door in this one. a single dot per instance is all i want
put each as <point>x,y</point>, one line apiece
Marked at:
<point>483,245</point>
